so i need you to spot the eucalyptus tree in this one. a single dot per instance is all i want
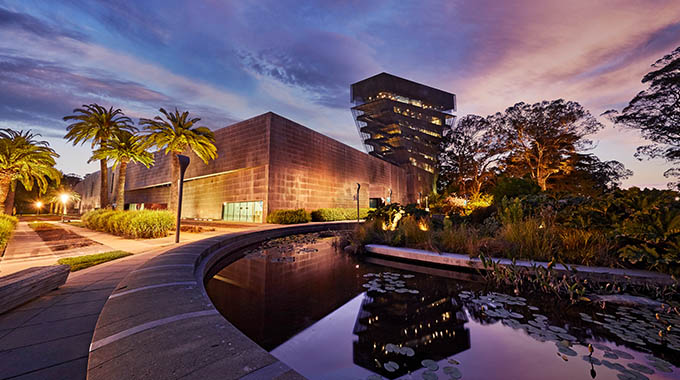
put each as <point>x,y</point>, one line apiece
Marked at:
<point>655,112</point>
<point>97,124</point>
<point>176,132</point>
<point>123,148</point>
<point>543,138</point>
<point>469,154</point>
<point>27,160</point>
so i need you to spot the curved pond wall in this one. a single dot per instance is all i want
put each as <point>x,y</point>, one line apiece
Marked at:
<point>160,324</point>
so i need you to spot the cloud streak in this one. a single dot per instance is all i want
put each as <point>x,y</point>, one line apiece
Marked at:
<point>227,61</point>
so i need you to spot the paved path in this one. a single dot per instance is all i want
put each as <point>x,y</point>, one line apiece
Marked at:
<point>26,249</point>
<point>49,338</point>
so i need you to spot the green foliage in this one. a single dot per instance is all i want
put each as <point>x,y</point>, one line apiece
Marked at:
<point>38,226</point>
<point>82,262</point>
<point>26,160</point>
<point>143,224</point>
<point>459,238</point>
<point>7,225</point>
<point>333,214</point>
<point>512,187</point>
<point>416,232</point>
<point>289,216</point>
<point>530,239</point>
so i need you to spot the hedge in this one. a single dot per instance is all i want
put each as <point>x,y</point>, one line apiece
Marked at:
<point>333,214</point>
<point>131,224</point>
<point>7,225</point>
<point>288,216</point>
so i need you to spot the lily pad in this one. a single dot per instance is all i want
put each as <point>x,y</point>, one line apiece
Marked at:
<point>567,351</point>
<point>430,364</point>
<point>391,366</point>
<point>557,329</point>
<point>408,351</point>
<point>623,354</point>
<point>453,372</point>
<point>641,368</point>
<point>429,375</point>
<point>610,355</point>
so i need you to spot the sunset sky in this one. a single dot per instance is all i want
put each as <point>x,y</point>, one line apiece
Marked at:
<point>231,60</point>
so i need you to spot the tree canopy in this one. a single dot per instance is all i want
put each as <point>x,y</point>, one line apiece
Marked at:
<point>470,152</point>
<point>542,138</point>
<point>655,112</point>
<point>27,160</point>
<point>97,124</point>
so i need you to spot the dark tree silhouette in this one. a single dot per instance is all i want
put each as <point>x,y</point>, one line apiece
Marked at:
<point>655,112</point>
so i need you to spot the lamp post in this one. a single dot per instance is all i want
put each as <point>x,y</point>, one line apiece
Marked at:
<point>358,187</point>
<point>38,205</point>
<point>427,203</point>
<point>64,199</point>
<point>389,198</point>
<point>420,195</point>
<point>183,163</point>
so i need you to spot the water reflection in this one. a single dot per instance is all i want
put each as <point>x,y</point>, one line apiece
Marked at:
<point>430,323</point>
<point>330,316</point>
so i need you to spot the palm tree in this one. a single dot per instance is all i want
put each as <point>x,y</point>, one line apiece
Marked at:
<point>54,198</point>
<point>95,123</point>
<point>24,159</point>
<point>123,148</point>
<point>175,134</point>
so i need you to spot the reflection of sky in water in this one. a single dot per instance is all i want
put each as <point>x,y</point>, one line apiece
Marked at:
<point>324,350</point>
<point>325,346</point>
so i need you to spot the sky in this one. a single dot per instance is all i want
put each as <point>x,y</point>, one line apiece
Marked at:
<point>227,61</point>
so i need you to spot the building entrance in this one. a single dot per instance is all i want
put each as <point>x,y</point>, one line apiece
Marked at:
<point>242,211</point>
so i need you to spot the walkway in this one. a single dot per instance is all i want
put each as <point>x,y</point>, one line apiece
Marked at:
<point>26,249</point>
<point>49,337</point>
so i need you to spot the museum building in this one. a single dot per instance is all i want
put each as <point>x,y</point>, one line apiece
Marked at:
<point>268,163</point>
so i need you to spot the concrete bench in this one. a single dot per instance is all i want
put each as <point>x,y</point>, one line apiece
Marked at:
<point>21,287</point>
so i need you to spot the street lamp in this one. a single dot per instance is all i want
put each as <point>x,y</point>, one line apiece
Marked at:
<point>64,199</point>
<point>38,205</point>
<point>358,187</point>
<point>183,163</point>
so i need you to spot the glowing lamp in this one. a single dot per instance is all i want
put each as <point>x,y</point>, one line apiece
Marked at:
<point>38,204</point>
<point>64,198</point>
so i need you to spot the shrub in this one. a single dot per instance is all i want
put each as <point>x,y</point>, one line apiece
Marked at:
<point>132,224</point>
<point>586,247</point>
<point>7,225</point>
<point>289,216</point>
<point>512,187</point>
<point>149,224</point>
<point>530,239</point>
<point>417,232</point>
<point>333,214</point>
<point>459,238</point>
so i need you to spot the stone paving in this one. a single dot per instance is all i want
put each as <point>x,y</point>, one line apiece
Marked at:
<point>49,337</point>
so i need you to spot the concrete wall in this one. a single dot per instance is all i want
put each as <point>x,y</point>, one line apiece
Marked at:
<point>267,158</point>
<point>310,170</point>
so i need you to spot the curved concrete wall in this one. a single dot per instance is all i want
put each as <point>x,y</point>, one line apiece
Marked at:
<point>160,324</point>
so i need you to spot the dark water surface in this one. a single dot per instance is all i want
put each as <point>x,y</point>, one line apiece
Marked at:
<point>330,316</point>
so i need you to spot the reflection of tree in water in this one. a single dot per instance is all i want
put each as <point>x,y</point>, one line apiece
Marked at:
<point>430,323</point>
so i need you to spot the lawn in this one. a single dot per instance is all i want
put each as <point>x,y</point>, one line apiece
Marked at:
<point>82,262</point>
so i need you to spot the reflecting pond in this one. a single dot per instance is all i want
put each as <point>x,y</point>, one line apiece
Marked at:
<point>329,315</point>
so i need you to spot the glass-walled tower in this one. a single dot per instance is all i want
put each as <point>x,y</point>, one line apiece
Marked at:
<point>403,122</point>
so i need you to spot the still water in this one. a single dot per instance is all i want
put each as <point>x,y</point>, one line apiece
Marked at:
<point>329,315</point>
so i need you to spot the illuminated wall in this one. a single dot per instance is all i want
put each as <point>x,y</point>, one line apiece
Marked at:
<point>267,158</point>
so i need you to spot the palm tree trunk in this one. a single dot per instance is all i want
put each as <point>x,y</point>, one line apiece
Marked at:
<point>104,181</point>
<point>5,182</point>
<point>9,202</point>
<point>51,207</point>
<point>120,187</point>
<point>174,182</point>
